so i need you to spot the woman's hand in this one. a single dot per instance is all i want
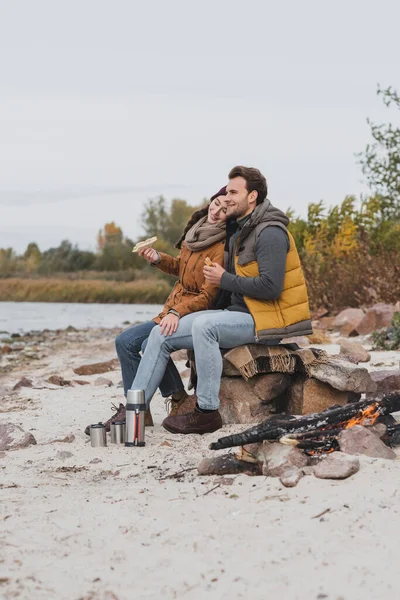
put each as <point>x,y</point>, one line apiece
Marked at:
<point>149,254</point>
<point>169,324</point>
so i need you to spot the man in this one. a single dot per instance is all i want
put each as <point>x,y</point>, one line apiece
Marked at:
<point>267,301</point>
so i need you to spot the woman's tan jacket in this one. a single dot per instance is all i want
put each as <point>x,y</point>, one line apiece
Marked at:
<point>191,292</point>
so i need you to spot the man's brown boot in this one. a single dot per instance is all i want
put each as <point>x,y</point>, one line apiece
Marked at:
<point>194,422</point>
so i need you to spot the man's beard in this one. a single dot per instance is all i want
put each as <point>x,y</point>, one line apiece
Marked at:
<point>237,211</point>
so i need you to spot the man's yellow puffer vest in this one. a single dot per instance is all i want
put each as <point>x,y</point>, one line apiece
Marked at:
<point>287,316</point>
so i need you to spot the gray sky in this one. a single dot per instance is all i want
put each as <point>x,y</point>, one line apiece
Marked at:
<point>105,103</point>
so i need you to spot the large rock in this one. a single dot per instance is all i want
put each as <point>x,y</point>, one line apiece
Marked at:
<point>354,351</point>
<point>227,464</point>
<point>336,466</point>
<point>386,381</point>
<point>343,376</point>
<point>275,458</point>
<point>347,320</point>
<point>361,440</point>
<point>13,437</point>
<point>376,317</point>
<point>312,396</point>
<point>98,368</point>
<point>250,401</point>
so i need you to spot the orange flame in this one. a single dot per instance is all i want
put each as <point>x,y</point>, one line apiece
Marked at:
<point>365,417</point>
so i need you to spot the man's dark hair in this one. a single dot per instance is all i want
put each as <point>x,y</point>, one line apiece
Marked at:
<point>255,181</point>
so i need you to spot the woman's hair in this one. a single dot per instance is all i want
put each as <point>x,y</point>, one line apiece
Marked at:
<point>193,219</point>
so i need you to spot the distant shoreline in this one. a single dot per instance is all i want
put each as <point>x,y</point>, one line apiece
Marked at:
<point>146,291</point>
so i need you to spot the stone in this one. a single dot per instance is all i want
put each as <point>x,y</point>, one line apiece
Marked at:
<point>343,376</point>
<point>307,395</point>
<point>386,381</point>
<point>354,351</point>
<point>185,374</point>
<point>58,380</point>
<point>227,464</point>
<point>291,476</point>
<point>379,315</point>
<point>13,437</point>
<point>24,382</point>
<point>320,312</point>
<point>250,401</point>
<point>275,458</point>
<point>5,349</point>
<point>361,440</point>
<point>179,355</point>
<point>103,381</point>
<point>380,429</point>
<point>326,323</point>
<point>336,466</point>
<point>80,382</point>
<point>348,318</point>
<point>301,341</point>
<point>98,368</point>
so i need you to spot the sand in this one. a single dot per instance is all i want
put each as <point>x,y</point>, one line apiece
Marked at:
<point>118,526</point>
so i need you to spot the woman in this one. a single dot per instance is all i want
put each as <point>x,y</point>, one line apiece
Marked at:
<point>204,236</point>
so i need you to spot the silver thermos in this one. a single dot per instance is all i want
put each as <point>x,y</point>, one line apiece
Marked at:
<point>135,415</point>
<point>98,435</point>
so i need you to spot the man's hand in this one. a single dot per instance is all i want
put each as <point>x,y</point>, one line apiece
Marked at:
<point>213,274</point>
<point>169,324</point>
<point>149,254</point>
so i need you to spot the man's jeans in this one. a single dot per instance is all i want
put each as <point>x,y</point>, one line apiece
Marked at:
<point>129,344</point>
<point>205,332</point>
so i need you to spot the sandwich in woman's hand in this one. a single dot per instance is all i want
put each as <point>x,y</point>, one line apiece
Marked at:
<point>145,244</point>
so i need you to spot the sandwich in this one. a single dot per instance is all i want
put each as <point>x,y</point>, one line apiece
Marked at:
<point>145,244</point>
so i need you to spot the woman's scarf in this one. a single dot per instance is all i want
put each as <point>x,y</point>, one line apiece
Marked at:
<point>203,235</point>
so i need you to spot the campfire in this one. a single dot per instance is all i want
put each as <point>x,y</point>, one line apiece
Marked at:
<point>318,433</point>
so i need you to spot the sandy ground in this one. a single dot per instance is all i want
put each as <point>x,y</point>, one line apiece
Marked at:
<point>118,527</point>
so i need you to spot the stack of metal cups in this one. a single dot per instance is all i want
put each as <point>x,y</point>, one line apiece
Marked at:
<point>135,416</point>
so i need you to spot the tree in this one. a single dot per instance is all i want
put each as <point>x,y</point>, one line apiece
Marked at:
<point>32,257</point>
<point>111,234</point>
<point>166,223</point>
<point>381,160</point>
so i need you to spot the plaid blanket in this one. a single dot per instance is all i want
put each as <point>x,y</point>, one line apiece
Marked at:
<point>254,359</point>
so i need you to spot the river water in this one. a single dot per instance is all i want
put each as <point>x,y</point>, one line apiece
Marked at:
<point>20,317</point>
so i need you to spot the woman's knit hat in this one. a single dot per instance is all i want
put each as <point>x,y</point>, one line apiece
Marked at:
<point>222,192</point>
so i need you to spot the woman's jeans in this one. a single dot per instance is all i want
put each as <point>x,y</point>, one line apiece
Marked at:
<point>205,332</point>
<point>129,344</point>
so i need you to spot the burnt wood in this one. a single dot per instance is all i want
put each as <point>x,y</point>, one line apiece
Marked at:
<point>276,427</point>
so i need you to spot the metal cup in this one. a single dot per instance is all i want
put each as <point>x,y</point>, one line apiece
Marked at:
<point>135,416</point>
<point>98,435</point>
<point>117,431</point>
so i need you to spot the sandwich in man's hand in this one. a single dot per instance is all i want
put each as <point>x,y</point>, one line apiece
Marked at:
<point>208,262</point>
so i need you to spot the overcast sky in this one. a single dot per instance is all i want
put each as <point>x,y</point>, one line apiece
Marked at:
<point>105,103</point>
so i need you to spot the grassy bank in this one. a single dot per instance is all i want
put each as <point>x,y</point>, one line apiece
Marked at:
<point>63,290</point>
